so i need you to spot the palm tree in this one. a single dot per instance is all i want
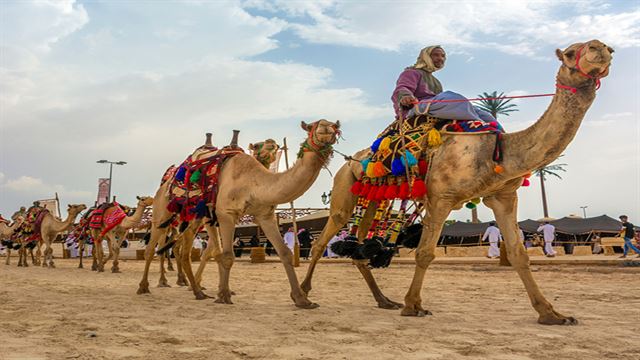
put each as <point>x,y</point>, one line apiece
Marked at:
<point>496,106</point>
<point>543,172</point>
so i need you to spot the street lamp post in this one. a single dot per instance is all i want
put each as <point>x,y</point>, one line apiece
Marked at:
<point>110,172</point>
<point>584,210</point>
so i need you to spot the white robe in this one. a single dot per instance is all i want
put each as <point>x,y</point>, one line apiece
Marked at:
<point>290,240</point>
<point>549,232</point>
<point>493,233</point>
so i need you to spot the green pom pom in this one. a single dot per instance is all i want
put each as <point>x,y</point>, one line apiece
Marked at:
<point>195,177</point>
<point>470,205</point>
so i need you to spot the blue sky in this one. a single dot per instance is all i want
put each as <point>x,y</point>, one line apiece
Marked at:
<point>143,81</point>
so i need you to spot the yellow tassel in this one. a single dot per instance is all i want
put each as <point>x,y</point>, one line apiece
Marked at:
<point>433,138</point>
<point>369,172</point>
<point>379,170</point>
<point>476,201</point>
<point>385,144</point>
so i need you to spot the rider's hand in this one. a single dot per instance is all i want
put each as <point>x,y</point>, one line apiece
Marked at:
<point>408,100</point>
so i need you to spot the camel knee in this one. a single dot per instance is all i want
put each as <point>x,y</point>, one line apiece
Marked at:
<point>226,259</point>
<point>340,217</point>
<point>424,257</point>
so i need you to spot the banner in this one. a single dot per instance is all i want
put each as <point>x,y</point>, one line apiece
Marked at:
<point>274,165</point>
<point>51,205</point>
<point>103,190</point>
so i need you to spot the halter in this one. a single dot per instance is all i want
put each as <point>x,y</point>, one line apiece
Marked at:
<point>311,144</point>
<point>581,72</point>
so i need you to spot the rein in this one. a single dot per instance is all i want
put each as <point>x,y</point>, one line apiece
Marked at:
<point>325,151</point>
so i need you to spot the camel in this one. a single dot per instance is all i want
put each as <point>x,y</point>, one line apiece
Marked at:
<point>246,187</point>
<point>462,169</point>
<point>265,152</point>
<point>51,227</point>
<point>6,232</point>
<point>116,235</point>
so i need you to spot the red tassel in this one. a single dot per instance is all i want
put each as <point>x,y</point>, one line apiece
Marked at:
<point>422,167</point>
<point>371,196</point>
<point>356,188</point>
<point>404,191</point>
<point>392,192</point>
<point>419,189</point>
<point>526,182</point>
<point>381,191</point>
<point>365,190</point>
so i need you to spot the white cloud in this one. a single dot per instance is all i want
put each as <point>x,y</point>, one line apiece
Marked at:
<point>37,187</point>
<point>513,27</point>
<point>617,115</point>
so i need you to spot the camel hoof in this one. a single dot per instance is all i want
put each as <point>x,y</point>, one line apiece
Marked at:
<point>224,297</point>
<point>143,290</point>
<point>52,266</point>
<point>308,305</point>
<point>163,285</point>
<point>115,271</point>
<point>201,296</point>
<point>417,312</point>
<point>181,282</point>
<point>558,319</point>
<point>80,267</point>
<point>170,268</point>
<point>389,305</point>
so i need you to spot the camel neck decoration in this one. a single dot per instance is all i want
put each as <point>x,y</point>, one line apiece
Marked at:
<point>247,188</point>
<point>462,168</point>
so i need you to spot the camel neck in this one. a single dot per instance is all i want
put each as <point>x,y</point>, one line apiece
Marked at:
<point>59,226</point>
<point>542,142</point>
<point>284,187</point>
<point>133,220</point>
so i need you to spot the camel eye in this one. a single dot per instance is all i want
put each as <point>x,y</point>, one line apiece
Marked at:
<point>592,48</point>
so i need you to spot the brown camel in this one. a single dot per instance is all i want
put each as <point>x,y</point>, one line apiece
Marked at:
<point>116,236</point>
<point>265,152</point>
<point>6,232</point>
<point>462,169</point>
<point>51,227</point>
<point>246,187</point>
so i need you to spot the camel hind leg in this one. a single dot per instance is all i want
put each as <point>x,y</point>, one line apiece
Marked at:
<point>157,234</point>
<point>80,252</point>
<point>8,261</point>
<point>504,206</point>
<point>213,250</point>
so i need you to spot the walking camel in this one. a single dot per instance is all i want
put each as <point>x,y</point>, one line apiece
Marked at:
<point>50,227</point>
<point>6,232</point>
<point>116,235</point>
<point>462,169</point>
<point>247,187</point>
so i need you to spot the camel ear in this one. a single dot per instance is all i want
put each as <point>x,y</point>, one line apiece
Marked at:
<point>251,147</point>
<point>559,54</point>
<point>305,126</point>
<point>138,198</point>
<point>337,124</point>
<point>611,51</point>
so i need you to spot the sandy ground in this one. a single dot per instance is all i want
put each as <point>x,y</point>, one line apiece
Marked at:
<point>480,312</point>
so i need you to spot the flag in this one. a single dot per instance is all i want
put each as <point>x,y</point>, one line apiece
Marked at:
<point>103,190</point>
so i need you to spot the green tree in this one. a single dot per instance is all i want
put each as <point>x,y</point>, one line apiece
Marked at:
<point>542,173</point>
<point>495,106</point>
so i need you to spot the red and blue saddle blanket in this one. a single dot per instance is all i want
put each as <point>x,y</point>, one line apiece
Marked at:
<point>30,229</point>
<point>194,184</point>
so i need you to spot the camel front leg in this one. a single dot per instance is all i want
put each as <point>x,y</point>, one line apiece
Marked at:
<point>80,252</point>
<point>117,243</point>
<point>48,252</point>
<point>8,261</point>
<point>505,208</point>
<point>425,253</point>
<point>342,204</point>
<point>110,241</point>
<point>270,228</point>
<point>39,255</point>
<point>213,250</point>
<point>225,260</point>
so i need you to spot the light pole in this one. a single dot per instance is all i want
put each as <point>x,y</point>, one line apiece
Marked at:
<point>584,210</point>
<point>110,172</point>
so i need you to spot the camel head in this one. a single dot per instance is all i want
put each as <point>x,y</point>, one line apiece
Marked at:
<point>76,209</point>
<point>144,200</point>
<point>265,151</point>
<point>322,132</point>
<point>584,63</point>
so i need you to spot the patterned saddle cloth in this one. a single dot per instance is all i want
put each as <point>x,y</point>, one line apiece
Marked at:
<point>30,228</point>
<point>194,184</point>
<point>399,158</point>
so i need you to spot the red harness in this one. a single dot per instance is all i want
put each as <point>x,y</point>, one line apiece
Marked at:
<point>577,67</point>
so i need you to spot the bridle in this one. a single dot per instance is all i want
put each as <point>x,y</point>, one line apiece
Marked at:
<point>312,144</point>
<point>577,67</point>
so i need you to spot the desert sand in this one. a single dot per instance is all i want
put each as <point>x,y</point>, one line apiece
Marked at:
<point>479,312</point>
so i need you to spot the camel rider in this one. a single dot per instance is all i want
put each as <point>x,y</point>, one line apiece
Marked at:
<point>20,213</point>
<point>417,84</point>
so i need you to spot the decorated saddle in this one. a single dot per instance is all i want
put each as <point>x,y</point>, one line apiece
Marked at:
<point>194,184</point>
<point>397,168</point>
<point>30,228</point>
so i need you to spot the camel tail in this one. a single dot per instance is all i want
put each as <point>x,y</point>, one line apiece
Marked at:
<point>166,247</point>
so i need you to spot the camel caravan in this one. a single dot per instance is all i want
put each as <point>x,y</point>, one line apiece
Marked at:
<point>425,164</point>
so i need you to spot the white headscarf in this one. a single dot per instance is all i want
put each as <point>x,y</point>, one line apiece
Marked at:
<point>424,59</point>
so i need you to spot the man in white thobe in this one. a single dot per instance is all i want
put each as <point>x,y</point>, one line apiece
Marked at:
<point>493,233</point>
<point>549,234</point>
<point>290,239</point>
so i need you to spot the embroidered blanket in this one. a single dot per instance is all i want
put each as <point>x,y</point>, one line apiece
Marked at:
<point>113,219</point>
<point>194,184</point>
<point>30,229</point>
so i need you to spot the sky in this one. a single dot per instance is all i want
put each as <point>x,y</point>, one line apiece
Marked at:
<point>142,81</point>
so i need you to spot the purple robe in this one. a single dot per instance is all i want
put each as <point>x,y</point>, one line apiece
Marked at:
<point>419,83</point>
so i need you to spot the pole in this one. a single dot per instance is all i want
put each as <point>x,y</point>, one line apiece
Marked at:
<point>544,196</point>
<point>110,173</point>
<point>296,246</point>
